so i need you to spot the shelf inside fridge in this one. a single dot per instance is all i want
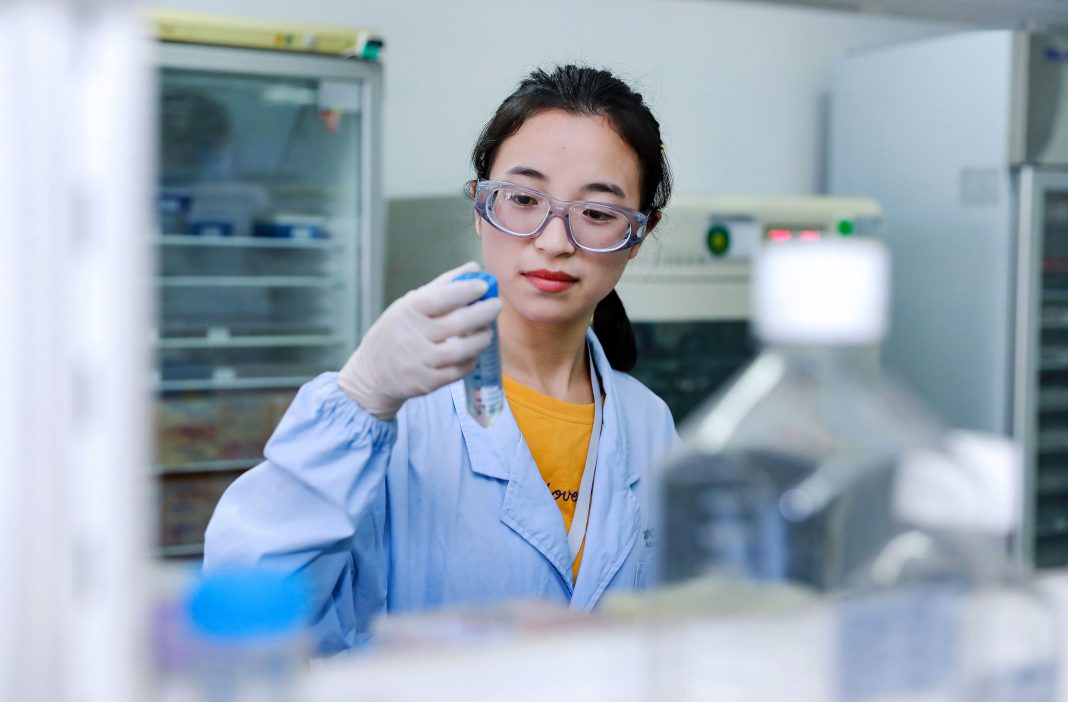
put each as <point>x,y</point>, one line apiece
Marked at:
<point>1051,516</point>
<point>250,264</point>
<point>189,374</point>
<point>1056,295</point>
<point>1052,475</point>
<point>249,242</point>
<point>1053,399</point>
<point>218,313</point>
<point>1053,440</point>
<point>1054,317</point>
<point>219,341</point>
<point>263,317</point>
<point>231,383</point>
<point>181,551</point>
<point>1053,358</point>
<point>249,281</point>
<point>1051,551</point>
<point>207,466</point>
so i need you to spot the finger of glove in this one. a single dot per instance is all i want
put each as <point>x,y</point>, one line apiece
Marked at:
<point>447,276</point>
<point>450,374</point>
<point>465,320</point>
<point>436,299</point>
<point>461,350</point>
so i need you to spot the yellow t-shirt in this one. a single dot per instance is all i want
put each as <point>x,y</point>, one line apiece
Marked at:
<point>558,434</point>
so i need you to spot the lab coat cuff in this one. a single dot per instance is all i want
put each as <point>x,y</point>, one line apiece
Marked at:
<point>322,396</point>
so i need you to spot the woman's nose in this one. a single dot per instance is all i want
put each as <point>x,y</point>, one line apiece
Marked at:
<point>553,240</point>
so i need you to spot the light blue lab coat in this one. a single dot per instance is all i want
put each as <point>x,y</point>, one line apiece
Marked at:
<point>433,510</point>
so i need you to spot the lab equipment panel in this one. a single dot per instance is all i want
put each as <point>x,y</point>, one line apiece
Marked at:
<point>687,292</point>
<point>269,255</point>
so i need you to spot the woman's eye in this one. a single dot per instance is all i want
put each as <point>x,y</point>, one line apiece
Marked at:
<point>599,216</point>
<point>523,200</point>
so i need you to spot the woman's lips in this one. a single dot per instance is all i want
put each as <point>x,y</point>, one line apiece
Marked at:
<point>550,281</point>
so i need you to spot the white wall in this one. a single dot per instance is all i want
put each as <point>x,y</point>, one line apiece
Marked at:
<point>737,86</point>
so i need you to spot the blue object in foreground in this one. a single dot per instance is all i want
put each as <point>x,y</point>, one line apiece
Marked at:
<point>238,605</point>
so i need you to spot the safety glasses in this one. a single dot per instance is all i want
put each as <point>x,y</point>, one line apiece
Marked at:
<point>591,226</point>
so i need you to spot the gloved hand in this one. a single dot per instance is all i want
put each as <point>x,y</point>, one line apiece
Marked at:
<point>426,339</point>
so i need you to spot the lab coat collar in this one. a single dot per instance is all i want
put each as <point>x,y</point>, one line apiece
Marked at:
<point>500,452</point>
<point>614,517</point>
<point>491,449</point>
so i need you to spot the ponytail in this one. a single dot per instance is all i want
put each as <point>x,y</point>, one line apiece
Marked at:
<point>613,330</point>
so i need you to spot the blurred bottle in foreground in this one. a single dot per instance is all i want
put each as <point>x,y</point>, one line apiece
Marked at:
<point>945,582</point>
<point>803,472</point>
<point>236,636</point>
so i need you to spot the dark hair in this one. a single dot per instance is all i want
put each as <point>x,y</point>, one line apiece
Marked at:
<point>588,91</point>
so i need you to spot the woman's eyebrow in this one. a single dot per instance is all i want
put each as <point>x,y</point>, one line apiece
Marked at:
<point>595,187</point>
<point>610,188</point>
<point>526,171</point>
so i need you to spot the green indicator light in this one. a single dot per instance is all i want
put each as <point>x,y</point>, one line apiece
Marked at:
<point>718,240</point>
<point>845,227</point>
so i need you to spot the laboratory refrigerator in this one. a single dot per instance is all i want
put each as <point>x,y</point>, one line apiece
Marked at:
<point>963,139</point>
<point>269,259</point>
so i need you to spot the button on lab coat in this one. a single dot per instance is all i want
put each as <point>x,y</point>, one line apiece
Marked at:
<point>434,510</point>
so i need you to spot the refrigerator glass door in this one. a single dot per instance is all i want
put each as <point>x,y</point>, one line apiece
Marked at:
<point>263,212</point>
<point>1042,368</point>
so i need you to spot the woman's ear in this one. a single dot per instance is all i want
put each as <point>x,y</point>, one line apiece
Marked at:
<point>654,219</point>
<point>469,190</point>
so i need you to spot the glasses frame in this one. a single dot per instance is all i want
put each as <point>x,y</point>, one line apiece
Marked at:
<point>638,220</point>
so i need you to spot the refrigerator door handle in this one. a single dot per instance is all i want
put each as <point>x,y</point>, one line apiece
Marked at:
<point>1025,348</point>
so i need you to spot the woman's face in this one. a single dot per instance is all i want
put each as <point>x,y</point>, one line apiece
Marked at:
<point>568,157</point>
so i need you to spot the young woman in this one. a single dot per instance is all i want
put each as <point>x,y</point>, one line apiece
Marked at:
<point>381,489</point>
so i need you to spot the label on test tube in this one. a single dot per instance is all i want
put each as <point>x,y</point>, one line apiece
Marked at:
<point>483,388</point>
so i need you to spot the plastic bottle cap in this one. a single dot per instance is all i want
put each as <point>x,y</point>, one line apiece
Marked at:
<point>481,275</point>
<point>244,605</point>
<point>974,485</point>
<point>821,292</point>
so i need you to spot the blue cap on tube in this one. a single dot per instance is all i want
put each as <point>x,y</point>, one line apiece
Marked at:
<point>490,279</point>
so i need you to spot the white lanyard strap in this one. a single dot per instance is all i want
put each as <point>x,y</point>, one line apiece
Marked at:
<point>577,532</point>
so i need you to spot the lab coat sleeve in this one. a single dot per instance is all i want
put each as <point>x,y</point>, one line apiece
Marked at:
<point>316,507</point>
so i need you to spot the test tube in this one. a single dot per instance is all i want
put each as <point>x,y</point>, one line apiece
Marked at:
<point>482,388</point>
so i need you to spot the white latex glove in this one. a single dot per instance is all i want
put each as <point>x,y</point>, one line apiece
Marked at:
<point>426,339</point>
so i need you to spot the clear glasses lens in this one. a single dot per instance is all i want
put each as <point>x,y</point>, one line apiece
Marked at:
<point>518,211</point>
<point>597,227</point>
<point>522,212</point>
